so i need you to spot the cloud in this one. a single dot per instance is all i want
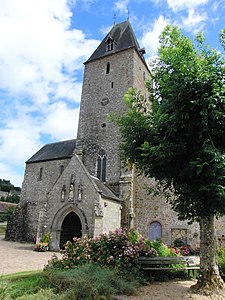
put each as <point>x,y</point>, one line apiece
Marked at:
<point>122,6</point>
<point>60,121</point>
<point>40,57</point>
<point>177,5</point>
<point>194,22</point>
<point>150,39</point>
<point>19,140</point>
<point>34,54</point>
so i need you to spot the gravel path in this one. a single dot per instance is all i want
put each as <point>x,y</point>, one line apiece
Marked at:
<point>18,257</point>
<point>171,290</point>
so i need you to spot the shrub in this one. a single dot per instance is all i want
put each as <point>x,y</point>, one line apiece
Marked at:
<point>160,248</point>
<point>119,249</point>
<point>89,281</point>
<point>45,238</point>
<point>6,215</point>
<point>221,261</point>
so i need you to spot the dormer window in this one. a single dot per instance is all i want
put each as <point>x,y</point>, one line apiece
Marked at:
<point>110,44</point>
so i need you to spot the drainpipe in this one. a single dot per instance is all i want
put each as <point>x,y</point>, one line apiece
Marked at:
<point>132,195</point>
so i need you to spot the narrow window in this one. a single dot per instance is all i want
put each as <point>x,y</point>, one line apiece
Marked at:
<point>144,76</point>
<point>112,85</point>
<point>104,168</point>
<point>40,173</point>
<point>107,68</point>
<point>101,166</point>
<point>61,169</point>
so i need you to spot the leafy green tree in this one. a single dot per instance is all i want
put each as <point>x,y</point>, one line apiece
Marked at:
<point>180,140</point>
<point>12,199</point>
<point>6,215</point>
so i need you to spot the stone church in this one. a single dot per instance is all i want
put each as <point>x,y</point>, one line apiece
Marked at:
<point>79,186</point>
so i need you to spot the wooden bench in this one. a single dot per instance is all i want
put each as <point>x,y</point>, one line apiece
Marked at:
<point>168,263</point>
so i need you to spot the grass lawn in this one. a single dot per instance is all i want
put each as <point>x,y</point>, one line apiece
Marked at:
<point>86,282</point>
<point>2,228</point>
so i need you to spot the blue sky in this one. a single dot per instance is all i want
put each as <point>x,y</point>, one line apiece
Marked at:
<point>43,46</point>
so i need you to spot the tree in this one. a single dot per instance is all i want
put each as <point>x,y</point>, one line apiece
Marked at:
<point>6,215</point>
<point>180,140</point>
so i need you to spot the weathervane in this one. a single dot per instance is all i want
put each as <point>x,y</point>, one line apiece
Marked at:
<point>128,14</point>
<point>114,17</point>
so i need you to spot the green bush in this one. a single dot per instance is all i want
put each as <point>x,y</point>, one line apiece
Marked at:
<point>89,281</point>
<point>221,261</point>
<point>45,238</point>
<point>117,250</point>
<point>160,248</point>
<point>6,215</point>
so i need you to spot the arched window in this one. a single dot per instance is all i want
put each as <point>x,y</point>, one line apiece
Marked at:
<point>155,231</point>
<point>101,166</point>
<point>108,68</point>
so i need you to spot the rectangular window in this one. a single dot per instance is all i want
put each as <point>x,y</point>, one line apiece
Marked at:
<point>107,68</point>
<point>61,169</point>
<point>40,173</point>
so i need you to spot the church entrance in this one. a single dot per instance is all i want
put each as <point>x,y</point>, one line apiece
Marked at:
<point>71,227</point>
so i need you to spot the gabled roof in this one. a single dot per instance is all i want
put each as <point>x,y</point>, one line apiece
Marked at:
<point>59,150</point>
<point>124,38</point>
<point>105,190</point>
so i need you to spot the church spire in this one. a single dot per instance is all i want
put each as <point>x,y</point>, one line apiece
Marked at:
<point>120,37</point>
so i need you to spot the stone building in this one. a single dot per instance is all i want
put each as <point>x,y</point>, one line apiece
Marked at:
<point>78,187</point>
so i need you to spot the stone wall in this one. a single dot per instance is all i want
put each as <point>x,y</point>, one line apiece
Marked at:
<point>149,208</point>
<point>112,215</point>
<point>16,226</point>
<point>35,189</point>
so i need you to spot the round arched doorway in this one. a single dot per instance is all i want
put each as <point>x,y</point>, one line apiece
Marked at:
<point>71,227</point>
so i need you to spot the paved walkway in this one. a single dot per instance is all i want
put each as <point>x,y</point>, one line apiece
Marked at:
<point>18,257</point>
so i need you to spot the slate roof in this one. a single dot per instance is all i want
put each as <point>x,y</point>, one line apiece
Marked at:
<point>59,150</point>
<point>4,205</point>
<point>124,38</point>
<point>106,191</point>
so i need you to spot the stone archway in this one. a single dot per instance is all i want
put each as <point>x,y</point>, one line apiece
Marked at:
<point>57,224</point>
<point>71,227</point>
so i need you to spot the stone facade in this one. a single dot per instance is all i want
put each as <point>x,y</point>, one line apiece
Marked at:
<point>79,187</point>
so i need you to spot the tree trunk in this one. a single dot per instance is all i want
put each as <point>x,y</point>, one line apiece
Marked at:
<point>209,280</point>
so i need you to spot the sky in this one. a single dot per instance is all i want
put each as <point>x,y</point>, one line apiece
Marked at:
<point>43,45</point>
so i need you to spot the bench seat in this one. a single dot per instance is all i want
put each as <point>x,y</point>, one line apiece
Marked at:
<point>168,263</point>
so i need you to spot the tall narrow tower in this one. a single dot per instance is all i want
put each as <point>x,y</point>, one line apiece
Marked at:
<point>116,65</point>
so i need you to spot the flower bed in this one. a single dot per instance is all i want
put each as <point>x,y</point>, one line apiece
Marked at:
<point>41,247</point>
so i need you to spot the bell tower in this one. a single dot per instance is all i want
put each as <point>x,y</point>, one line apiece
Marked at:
<point>116,65</point>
